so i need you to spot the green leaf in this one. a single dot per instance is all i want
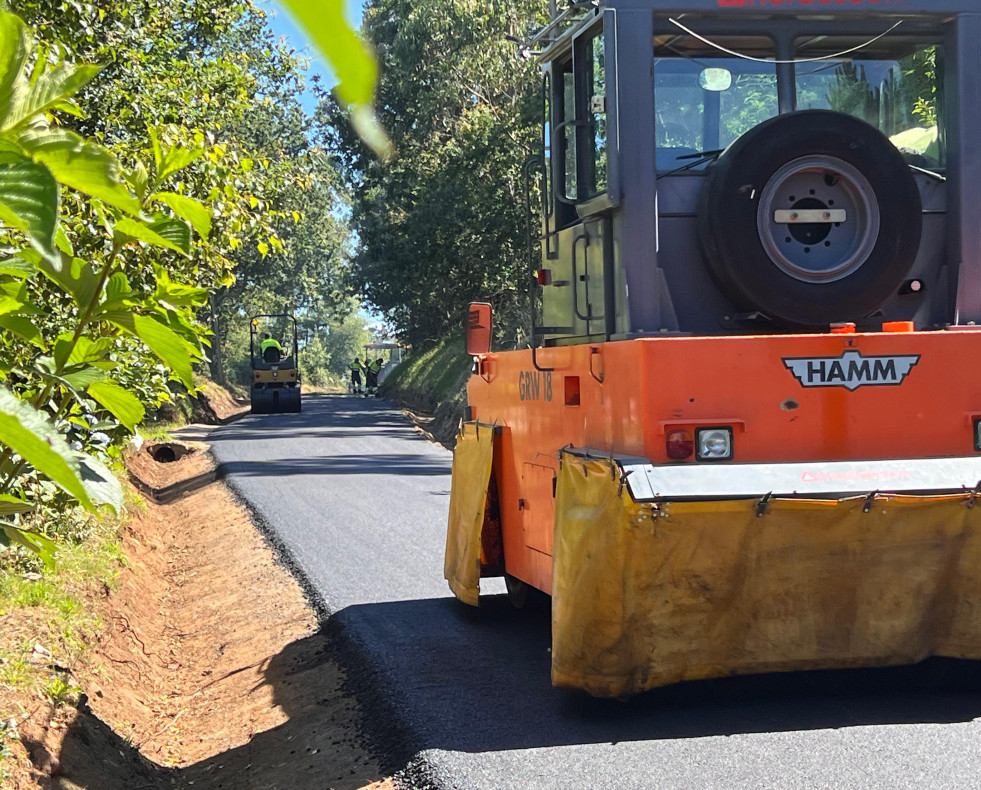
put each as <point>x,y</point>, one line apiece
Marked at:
<point>118,288</point>
<point>29,201</point>
<point>10,505</point>
<point>51,89</point>
<point>16,267</point>
<point>14,299</point>
<point>123,405</point>
<point>35,542</point>
<point>350,59</point>
<point>30,435</point>
<point>89,351</point>
<point>175,231</point>
<point>23,327</point>
<point>178,294</point>
<point>159,234</point>
<point>369,129</point>
<point>157,150</point>
<point>138,178</point>
<point>176,159</point>
<point>62,241</point>
<point>79,164</point>
<point>74,275</point>
<point>101,484</point>
<point>13,56</point>
<point>188,208</point>
<point>170,348</point>
<point>10,304</point>
<point>70,108</point>
<point>83,378</point>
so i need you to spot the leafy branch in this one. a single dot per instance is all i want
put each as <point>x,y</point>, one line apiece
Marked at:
<point>79,319</point>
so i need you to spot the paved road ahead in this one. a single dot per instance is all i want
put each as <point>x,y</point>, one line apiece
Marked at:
<point>360,500</point>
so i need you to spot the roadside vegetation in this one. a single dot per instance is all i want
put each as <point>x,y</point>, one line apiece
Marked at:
<point>444,221</point>
<point>154,162</point>
<point>160,182</point>
<point>431,384</point>
<point>157,184</point>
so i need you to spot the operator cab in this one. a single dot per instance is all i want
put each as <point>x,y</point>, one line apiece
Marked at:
<point>723,167</point>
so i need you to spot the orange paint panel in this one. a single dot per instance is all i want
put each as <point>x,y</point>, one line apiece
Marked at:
<point>788,397</point>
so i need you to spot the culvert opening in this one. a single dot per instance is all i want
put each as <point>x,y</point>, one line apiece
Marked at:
<point>168,453</point>
<point>164,455</point>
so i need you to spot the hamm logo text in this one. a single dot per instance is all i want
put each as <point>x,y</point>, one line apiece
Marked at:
<point>851,370</point>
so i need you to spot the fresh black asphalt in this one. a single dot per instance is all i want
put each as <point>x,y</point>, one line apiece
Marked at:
<point>358,500</point>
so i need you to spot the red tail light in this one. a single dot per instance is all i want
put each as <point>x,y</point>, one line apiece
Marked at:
<point>679,445</point>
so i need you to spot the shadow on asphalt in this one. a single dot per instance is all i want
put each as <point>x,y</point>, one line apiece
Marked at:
<point>323,417</point>
<point>503,702</point>
<point>478,681</point>
<point>435,674</point>
<point>327,417</point>
<point>406,464</point>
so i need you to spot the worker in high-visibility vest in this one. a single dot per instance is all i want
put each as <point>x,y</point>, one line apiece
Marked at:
<point>356,367</point>
<point>372,367</point>
<point>269,342</point>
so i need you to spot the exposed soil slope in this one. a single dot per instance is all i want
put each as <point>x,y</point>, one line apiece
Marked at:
<point>211,671</point>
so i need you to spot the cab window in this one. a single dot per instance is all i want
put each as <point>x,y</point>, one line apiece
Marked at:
<point>579,143</point>
<point>893,83</point>
<point>704,99</point>
<point>593,134</point>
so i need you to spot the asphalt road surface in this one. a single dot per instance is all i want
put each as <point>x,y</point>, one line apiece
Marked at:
<point>359,500</point>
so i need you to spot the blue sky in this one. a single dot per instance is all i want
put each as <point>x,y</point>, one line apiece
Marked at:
<point>282,25</point>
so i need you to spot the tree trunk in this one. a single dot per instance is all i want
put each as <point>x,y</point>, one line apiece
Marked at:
<point>218,373</point>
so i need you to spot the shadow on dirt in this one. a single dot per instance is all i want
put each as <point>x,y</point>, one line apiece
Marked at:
<point>320,746</point>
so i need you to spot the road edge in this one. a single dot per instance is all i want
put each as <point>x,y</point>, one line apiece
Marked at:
<point>390,737</point>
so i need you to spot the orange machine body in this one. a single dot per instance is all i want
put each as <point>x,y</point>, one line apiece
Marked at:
<point>625,397</point>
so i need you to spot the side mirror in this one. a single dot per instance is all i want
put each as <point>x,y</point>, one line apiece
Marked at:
<point>715,80</point>
<point>479,325</point>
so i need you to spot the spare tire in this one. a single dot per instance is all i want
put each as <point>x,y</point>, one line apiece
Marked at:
<point>810,218</point>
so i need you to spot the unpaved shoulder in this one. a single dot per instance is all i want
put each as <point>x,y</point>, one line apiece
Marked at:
<point>212,670</point>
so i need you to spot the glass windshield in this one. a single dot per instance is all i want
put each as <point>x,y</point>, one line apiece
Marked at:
<point>690,118</point>
<point>892,84</point>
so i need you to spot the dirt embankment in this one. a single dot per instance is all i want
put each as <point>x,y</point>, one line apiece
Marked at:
<point>431,386</point>
<point>211,671</point>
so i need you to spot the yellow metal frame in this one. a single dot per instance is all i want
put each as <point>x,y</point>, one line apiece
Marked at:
<point>281,376</point>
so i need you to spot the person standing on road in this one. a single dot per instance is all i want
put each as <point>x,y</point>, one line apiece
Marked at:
<point>371,368</point>
<point>356,367</point>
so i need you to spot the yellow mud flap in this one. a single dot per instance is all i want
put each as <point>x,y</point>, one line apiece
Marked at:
<point>645,595</point>
<point>472,459</point>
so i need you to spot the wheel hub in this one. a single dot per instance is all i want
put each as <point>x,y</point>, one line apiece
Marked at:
<point>839,219</point>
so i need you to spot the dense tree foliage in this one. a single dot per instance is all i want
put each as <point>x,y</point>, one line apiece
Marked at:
<point>179,165</point>
<point>208,73</point>
<point>443,221</point>
<point>92,320</point>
